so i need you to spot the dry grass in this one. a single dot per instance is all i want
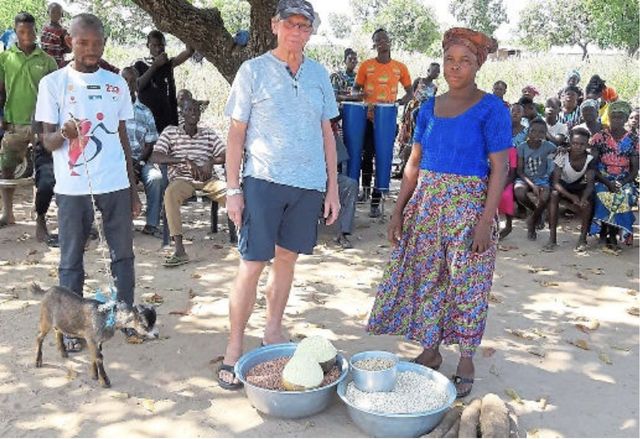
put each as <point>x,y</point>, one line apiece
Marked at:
<point>547,72</point>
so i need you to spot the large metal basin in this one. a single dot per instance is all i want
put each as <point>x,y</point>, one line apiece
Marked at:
<point>401,425</point>
<point>289,405</point>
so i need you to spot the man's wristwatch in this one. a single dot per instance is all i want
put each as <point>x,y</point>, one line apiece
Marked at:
<point>234,191</point>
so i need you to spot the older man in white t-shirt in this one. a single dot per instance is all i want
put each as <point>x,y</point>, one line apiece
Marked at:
<point>83,109</point>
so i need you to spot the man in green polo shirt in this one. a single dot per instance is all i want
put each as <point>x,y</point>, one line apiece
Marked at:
<point>21,68</point>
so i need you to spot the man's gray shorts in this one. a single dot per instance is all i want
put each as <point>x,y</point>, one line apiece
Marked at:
<point>275,214</point>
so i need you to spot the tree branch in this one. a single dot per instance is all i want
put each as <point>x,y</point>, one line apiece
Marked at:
<point>204,31</point>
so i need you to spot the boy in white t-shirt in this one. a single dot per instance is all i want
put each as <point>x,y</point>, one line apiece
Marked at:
<point>83,109</point>
<point>557,132</point>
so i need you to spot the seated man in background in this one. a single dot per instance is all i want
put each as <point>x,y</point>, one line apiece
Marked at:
<point>142,134</point>
<point>190,151</point>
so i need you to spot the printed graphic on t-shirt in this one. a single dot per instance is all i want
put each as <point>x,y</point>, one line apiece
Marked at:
<point>533,164</point>
<point>78,146</point>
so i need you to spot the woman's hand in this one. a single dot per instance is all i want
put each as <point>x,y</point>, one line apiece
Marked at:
<point>394,229</point>
<point>612,186</point>
<point>481,237</point>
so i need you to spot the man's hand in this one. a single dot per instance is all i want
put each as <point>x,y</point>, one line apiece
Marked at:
<point>331,207</point>
<point>235,206</point>
<point>194,169</point>
<point>136,204</point>
<point>160,60</point>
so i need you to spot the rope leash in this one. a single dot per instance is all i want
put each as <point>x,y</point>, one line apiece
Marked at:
<point>108,300</point>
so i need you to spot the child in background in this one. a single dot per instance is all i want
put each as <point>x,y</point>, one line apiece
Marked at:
<point>529,110</point>
<point>506,206</point>
<point>589,110</point>
<point>182,96</point>
<point>557,132</point>
<point>53,35</point>
<point>573,180</point>
<point>518,131</point>
<point>535,166</point>
<point>518,135</point>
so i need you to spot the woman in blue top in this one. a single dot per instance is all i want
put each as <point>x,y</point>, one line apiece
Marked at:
<point>435,289</point>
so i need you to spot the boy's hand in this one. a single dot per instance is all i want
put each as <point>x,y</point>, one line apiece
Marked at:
<point>536,190</point>
<point>160,60</point>
<point>575,200</point>
<point>70,129</point>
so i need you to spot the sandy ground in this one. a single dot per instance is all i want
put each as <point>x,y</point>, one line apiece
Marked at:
<point>167,387</point>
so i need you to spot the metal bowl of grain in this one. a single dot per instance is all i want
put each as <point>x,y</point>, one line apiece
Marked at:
<point>286,404</point>
<point>374,371</point>
<point>419,400</point>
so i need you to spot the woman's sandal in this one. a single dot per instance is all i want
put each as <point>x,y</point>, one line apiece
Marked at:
<point>459,381</point>
<point>233,385</point>
<point>434,367</point>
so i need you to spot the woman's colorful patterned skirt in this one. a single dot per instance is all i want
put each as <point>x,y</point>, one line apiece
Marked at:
<point>435,289</point>
<point>614,208</point>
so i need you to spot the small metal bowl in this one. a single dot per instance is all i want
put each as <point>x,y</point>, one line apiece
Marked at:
<point>377,424</point>
<point>374,380</point>
<point>281,404</point>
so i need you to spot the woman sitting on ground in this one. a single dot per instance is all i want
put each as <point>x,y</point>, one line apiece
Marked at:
<point>616,150</point>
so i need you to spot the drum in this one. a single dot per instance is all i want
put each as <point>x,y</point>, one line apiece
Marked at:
<point>384,135</point>
<point>354,120</point>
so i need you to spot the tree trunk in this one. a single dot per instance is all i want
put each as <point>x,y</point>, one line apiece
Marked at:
<point>585,54</point>
<point>203,30</point>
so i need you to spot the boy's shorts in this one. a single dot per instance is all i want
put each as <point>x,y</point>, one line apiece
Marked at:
<point>575,188</point>
<point>275,214</point>
<point>541,182</point>
<point>14,145</point>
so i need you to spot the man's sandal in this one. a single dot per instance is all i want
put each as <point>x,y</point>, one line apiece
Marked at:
<point>233,385</point>
<point>458,381</point>
<point>175,260</point>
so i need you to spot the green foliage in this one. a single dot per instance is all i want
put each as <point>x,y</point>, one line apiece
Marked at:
<point>616,23</point>
<point>124,21</point>
<point>365,12</point>
<point>410,25</point>
<point>546,23</point>
<point>329,55</point>
<point>235,13</point>
<point>481,15</point>
<point>10,8</point>
<point>409,22</point>
<point>340,24</point>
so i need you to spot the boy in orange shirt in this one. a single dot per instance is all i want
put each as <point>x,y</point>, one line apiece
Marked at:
<point>378,79</point>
